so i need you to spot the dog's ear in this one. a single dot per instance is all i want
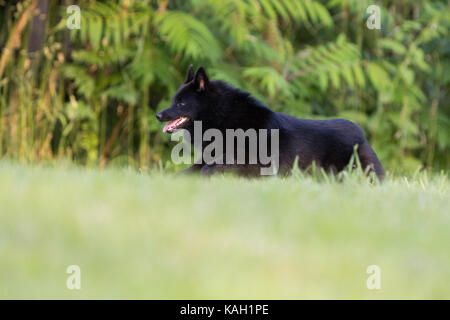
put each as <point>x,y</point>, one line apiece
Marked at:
<point>190,74</point>
<point>201,79</point>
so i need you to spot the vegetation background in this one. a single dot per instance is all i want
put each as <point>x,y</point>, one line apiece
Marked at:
<point>90,95</point>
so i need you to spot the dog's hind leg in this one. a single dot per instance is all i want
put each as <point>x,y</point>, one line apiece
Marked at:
<point>368,158</point>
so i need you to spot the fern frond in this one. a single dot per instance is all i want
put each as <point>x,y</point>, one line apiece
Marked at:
<point>269,80</point>
<point>184,33</point>
<point>83,81</point>
<point>306,11</point>
<point>330,63</point>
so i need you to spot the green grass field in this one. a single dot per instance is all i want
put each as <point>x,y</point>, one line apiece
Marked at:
<point>160,236</point>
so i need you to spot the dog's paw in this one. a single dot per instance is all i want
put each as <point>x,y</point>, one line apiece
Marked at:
<point>209,169</point>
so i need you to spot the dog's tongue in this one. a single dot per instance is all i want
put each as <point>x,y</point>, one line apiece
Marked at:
<point>167,126</point>
<point>171,125</point>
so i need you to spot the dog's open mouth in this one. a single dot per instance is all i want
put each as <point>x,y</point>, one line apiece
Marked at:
<point>175,124</point>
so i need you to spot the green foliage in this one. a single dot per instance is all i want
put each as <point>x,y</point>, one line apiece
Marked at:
<point>187,35</point>
<point>307,58</point>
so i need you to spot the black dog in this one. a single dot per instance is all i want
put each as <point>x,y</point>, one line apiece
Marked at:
<point>328,143</point>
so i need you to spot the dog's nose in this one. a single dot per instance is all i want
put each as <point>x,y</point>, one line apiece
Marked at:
<point>159,116</point>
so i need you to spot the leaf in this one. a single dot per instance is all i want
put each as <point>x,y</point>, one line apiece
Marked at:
<point>124,92</point>
<point>269,79</point>
<point>83,82</point>
<point>359,75</point>
<point>184,33</point>
<point>377,75</point>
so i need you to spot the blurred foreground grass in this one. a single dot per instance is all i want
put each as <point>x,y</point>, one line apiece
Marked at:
<point>161,236</point>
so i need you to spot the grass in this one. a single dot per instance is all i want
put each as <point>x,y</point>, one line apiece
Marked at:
<point>159,236</point>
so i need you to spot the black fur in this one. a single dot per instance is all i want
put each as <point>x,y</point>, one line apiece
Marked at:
<point>329,143</point>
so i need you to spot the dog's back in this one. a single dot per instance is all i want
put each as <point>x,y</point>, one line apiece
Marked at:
<point>329,143</point>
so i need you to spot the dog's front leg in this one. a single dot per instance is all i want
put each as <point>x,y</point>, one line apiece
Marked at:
<point>209,169</point>
<point>192,169</point>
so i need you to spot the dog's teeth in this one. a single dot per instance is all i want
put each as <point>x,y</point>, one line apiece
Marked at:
<point>175,124</point>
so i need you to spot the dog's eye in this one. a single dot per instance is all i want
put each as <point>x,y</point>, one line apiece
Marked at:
<point>180,104</point>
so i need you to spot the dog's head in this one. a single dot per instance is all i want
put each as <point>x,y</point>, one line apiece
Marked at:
<point>188,103</point>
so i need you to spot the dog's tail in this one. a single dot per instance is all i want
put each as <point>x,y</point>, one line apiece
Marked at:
<point>369,159</point>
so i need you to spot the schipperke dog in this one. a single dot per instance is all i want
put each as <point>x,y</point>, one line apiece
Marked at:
<point>328,143</point>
